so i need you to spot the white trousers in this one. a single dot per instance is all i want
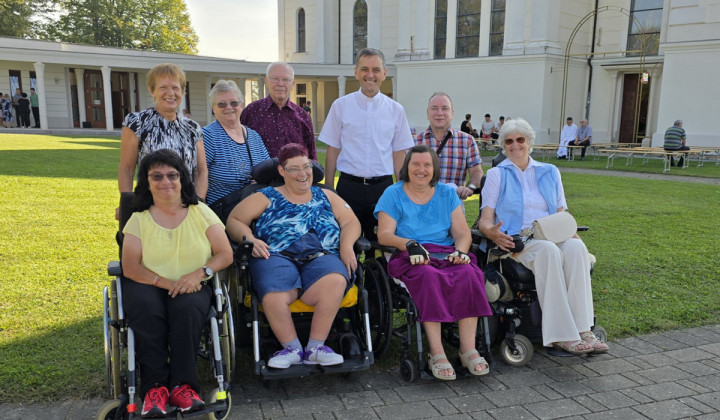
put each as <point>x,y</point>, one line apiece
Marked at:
<point>563,151</point>
<point>562,279</point>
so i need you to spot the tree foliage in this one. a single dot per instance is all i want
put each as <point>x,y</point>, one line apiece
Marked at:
<point>22,18</point>
<point>160,25</point>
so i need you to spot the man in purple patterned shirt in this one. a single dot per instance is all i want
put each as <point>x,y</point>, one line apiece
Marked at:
<point>278,120</point>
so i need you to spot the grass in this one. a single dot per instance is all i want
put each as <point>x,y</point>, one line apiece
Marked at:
<point>655,242</point>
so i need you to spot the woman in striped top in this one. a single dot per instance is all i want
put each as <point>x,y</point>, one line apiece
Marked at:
<point>231,149</point>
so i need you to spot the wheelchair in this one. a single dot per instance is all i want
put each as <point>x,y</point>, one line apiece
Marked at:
<point>517,318</point>
<point>352,334</point>
<point>397,318</point>
<point>217,346</point>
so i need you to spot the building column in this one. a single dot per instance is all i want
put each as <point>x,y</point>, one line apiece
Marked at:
<point>262,89</point>
<point>42,97</point>
<point>313,107</point>
<point>374,20</point>
<point>420,45</point>
<point>133,93</point>
<point>485,26</point>
<point>544,30</point>
<point>107,97</point>
<point>341,86</point>
<point>653,103</point>
<point>615,107</point>
<point>208,107</point>
<point>403,31</point>
<point>451,31</point>
<point>514,43</point>
<point>320,31</point>
<point>281,30</point>
<point>241,85</point>
<point>80,79</point>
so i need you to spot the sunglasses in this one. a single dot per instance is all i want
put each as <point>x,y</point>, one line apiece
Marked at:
<point>171,176</point>
<point>223,105</point>
<point>520,140</point>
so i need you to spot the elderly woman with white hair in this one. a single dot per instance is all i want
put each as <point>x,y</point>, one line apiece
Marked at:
<point>517,192</point>
<point>231,149</point>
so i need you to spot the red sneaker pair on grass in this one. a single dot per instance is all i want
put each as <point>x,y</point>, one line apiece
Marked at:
<point>158,399</point>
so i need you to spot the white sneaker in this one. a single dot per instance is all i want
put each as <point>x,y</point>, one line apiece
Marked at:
<point>323,356</point>
<point>284,358</point>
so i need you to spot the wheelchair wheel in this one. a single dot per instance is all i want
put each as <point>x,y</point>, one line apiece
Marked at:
<point>600,333</point>
<point>112,341</point>
<point>221,414</point>
<point>227,337</point>
<point>380,307</point>
<point>109,410</point>
<point>408,370</point>
<point>524,354</point>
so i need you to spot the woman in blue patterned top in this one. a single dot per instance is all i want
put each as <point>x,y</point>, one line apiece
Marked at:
<point>231,149</point>
<point>162,127</point>
<point>303,248</point>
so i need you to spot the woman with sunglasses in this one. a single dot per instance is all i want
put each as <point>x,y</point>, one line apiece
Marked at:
<point>173,244</point>
<point>517,192</point>
<point>162,126</point>
<point>231,149</point>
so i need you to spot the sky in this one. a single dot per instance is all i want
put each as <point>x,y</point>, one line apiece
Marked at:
<point>240,29</point>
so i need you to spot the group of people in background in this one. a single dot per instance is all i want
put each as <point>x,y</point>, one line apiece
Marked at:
<point>22,104</point>
<point>186,169</point>
<point>572,135</point>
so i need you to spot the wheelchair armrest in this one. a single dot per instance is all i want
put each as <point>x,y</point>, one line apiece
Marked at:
<point>582,228</point>
<point>242,251</point>
<point>114,268</point>
<point>361,245</point>
<point>384,248</point>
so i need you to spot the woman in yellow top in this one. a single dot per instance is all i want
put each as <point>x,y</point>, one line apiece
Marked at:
<point>172,245</point>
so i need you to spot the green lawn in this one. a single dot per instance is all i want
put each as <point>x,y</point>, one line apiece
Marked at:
<point>655,242</point>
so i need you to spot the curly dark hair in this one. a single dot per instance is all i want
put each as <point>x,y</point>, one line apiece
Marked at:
<point>143,197</point>
<point>421,148</point>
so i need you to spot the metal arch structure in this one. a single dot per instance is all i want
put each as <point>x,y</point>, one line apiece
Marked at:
<point>566,63</point>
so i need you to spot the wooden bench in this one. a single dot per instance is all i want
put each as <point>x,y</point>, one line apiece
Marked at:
<point>645,153</point>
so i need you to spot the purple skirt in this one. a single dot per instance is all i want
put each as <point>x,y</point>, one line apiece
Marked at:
<point>441,290</point>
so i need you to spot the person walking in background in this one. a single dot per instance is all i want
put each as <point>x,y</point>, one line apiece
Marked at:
<point>276,118</point>
<point>367,135</point>
<point>35,105</point>
<point>675,141</point>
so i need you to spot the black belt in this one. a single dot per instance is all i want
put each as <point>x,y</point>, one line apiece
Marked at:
<point>366,181</point>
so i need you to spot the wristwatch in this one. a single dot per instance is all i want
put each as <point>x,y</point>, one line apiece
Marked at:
<point>208,272</point>
<point>472,187</point>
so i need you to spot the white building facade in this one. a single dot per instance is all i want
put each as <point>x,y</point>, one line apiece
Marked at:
<point>508,57</point>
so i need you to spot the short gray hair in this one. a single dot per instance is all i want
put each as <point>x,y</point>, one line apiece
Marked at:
<point>279,63</point>
<point>369,52</point>
<point>517,126</point>
<point>222,86</point>
<point>677,122</point>
<point>441,94</point>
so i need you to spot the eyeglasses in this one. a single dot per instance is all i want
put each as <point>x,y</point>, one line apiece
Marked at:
<point>223,105</point>
<point>158,177</point>
<point>293,170</point>
<point>520,140</point>
<point>278,80</point>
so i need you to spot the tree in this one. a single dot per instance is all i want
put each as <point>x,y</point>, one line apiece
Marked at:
<point>160,25</point>
<point>22,18</point>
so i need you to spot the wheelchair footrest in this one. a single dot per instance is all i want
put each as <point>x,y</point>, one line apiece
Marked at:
<point>360,363</point>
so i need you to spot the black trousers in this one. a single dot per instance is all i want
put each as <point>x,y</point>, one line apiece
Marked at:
<point>167,333</point>
<point>681,160</point>
<point>584,144</point>
<point>362,199</point>
<point>36,115</point>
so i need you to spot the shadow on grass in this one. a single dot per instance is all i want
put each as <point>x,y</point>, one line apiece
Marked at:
<point>77,163</point>
<point>110,143</point>
<point>54,365</point>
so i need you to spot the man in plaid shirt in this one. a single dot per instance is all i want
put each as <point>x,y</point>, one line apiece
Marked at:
<point>460,155</point>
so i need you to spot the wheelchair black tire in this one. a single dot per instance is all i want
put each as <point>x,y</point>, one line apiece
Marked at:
<point>218,415</point>
<point>115,353</point>
<point>525,351</point>
<point>109,410</point>
<point>380,306</point>
<point>227,337</point>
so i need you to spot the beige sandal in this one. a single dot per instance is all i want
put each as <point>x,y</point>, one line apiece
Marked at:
<point>436,368</point>
<point>590,338</point>
<point>469,360</point>
<point>572,347</point>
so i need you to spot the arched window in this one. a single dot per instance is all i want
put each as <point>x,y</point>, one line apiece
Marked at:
<point>359,26</point>
<point>440,28</point>
<point>649,13</point>
<point>468,28</point>
<point>301,30</point>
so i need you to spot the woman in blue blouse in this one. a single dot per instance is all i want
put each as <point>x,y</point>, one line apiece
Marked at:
<point>303,248</point>
<point>231,149</point>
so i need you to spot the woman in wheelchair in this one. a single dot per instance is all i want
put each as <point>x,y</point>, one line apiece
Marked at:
<point>425,220</point>
<point>517,192</point>
<point>302,248</point>
<point>172,245</point>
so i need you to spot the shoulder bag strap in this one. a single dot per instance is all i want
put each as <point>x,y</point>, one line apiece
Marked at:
<point>445,140</point>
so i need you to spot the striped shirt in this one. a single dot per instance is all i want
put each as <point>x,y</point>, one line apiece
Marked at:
<point>674,137</point>
<point>229,166</point>
<point>459,154</point>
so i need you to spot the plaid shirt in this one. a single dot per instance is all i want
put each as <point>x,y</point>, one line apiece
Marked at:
<point>459,154</point>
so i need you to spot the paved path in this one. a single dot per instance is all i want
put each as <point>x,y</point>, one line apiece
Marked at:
<point>673,375</point>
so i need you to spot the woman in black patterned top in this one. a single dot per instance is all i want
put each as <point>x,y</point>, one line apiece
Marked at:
<point>162,126</point>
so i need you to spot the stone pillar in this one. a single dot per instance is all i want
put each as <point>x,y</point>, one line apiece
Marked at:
<point>451,33</point>
<point>208,108</point>
<point>341,86</point>
<point>80,79</point>
<point>485,24</point>
<point>544,30</point>
<point>374,19</point>
<point>320,20</point>
<point>107,97</point>
<point>262,89</point>
<point>241,85</point>
<point>421,33</point>
<point>42,95</point>
<point>514,40</point>
<point>403,35</point>
<point>313,107</point>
